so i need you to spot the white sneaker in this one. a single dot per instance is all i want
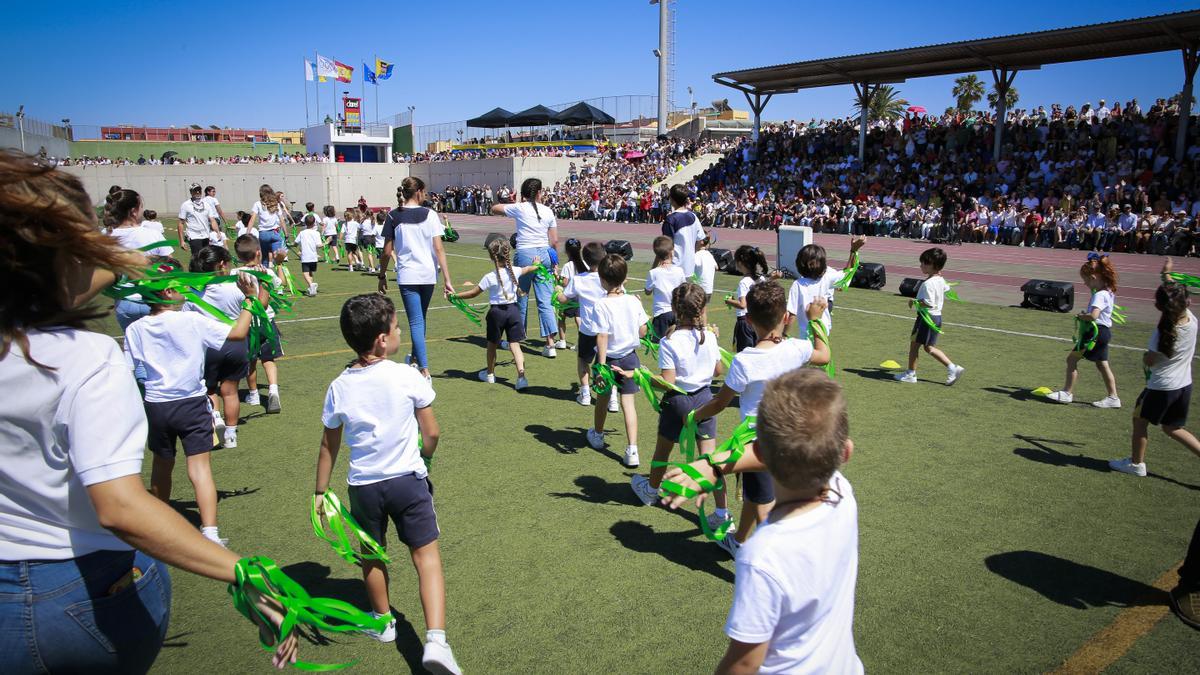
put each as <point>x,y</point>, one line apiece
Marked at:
<point>1108,402</point>
<point>909,376</point>
<point>1127,466</point>
<point>715,521</point>
<point>631,457</point>
<point>386,635</point>
<point>218,423</point>
<point>230,438</point>
<point>953,373</point>
<point>549,352</point>
<point>584,397</point>
<point>730,544</point>
<point>595,439</point>
<point>439,660</point>
<point>522,382</point>
<point>504,344</point>
<point>614,404</point>
<point>1060,397</point>
<point>273,406</point>
<point>561,344</point>
<point>210,533</point>
<point>485,376</point>
<point>314,288</point>
<point>641,488</point>
<point>252,398</point>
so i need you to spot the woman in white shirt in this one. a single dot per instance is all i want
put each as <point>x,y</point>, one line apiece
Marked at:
<point>123,209</point>
<point>537,235</point>
<point>268,215</point>
<point>82,588</point>
<point>414,233</point>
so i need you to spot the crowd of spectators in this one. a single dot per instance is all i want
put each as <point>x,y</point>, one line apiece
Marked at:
<point>142,160</point>
<point>1094,178</point>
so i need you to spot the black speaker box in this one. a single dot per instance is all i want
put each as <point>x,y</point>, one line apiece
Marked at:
<point>910,286</point>
<point>1055,296</point>
<point>620,247</point>
<point>869,275</point>
<point>724,258</point>
<point>490,238</point>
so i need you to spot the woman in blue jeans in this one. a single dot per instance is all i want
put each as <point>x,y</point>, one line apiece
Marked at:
<point>83,587</point>
<point>414,233</point>
<point>537,235</point>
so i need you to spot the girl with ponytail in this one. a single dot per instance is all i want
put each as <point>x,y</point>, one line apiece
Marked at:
<point>122,218</point>
<point>1168,362</point>
<point>268,214</point>
<point>504,320</point>
<point>537,236</point>
<point>752,264</point>
<point>1100,277</point>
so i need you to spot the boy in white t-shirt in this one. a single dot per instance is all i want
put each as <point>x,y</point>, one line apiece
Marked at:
<point>706,266</point>
<point>309,241</point>
<point>350,238</point>
<point>249,255</point>
<point>662,280</point>
<point>383,411</point>
<point>751,370</point>
<point>584,287</point>
<point>794,584</point>
<point>930,297</point>
<point>169,346</point>
<point>329,231</point>
<point>816,279</point>
<point>620,324</point>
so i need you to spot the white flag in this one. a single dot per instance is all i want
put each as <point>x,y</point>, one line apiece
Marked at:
<point>308,70</point>
<point>326,67</point>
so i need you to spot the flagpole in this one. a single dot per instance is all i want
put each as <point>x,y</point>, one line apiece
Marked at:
<point>316,87</point>
<point>307,74</point>
<point>376,89</point>
<point>361,117</point>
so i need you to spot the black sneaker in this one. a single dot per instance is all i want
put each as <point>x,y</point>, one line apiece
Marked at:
<point>1186,605</point>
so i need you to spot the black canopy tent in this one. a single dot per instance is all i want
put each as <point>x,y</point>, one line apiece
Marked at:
<point>583,113</point>
<point>537,116</point>
<point>495,118</point>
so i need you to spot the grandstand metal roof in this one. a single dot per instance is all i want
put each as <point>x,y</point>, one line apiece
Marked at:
<point>1024,51</point>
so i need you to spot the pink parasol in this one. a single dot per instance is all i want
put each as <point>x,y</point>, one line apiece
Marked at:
<point>916,109</point>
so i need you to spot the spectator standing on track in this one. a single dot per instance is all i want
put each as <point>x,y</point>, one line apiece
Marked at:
<point>196,220</point>
<point>537,235</point>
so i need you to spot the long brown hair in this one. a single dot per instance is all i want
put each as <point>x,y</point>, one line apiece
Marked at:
<point>1103,268</point>
<point>501,253</point>
<point>48,233</point>
<point>1172,301</point>
<point>268,197</point>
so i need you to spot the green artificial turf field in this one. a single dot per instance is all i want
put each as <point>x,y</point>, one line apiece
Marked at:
<point>993,537</point>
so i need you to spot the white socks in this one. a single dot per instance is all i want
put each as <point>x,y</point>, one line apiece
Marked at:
<point>210,533</point>
<point>273,389</point>
<point>438,636</point>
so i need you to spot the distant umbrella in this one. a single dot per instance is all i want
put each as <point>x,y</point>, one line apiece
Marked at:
<point>919,109</point>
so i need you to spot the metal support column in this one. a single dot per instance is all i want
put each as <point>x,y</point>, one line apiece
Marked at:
<point>757,102</point>
<point>1190,61</point>
<point>865,92</point>
<point>1002,79</point>
<point>663,94</point>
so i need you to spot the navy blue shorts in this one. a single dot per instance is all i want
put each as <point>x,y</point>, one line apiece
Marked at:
<point>351,247</point>
<point>571,313</point>
<point>744,336</point>
<point>407,500</point>
<point>675,409</point>
<point>188,420</point>
<point>628,362</point>
<point>505,320</point>
<point>586,348</point>
<point>271,349</point>
<point>922,334</point>
<point>310,268</point>
<point>229,363</point>
<point>1168,408</point>
<point>662,324</point>
<point>757,487</point>
<point>1100,351</point>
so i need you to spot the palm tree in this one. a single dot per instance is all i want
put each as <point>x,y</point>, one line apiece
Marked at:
<point>1010,98</point>
<point>886,104</point>
<point>968,90</point>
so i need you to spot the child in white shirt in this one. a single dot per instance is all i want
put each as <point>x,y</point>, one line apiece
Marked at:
<point>584,287</point>
<point>573,250</point>
<point>350,238</point>
<point>249,254</point>
<point>309,241</point>
<point>504,316</point>
<point>663,279</point>
<point>620,324</point>
<point>816,279</point>
<point>752,265</point>
<point>1101,277</point>
<point>706,266</point>
<point>329,230</point>
<point>930,297</point>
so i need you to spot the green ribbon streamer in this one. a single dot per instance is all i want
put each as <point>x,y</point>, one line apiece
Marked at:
<point>818,331</point>
<point>603,379</point>
<point>159,244</point>
<point>467,310</point>
<point>544,274</point>
<point>299,608</point>
<point>560,307</point>
<point>1086,333</point>
<point>262,330</point>
<point>735,445</point>
<point>648,382</point>
<point>1118,315</point>
<point>695,279</point>
<point>848,275</point>
<point>344,528</point>
<point>951,294</point>
<point>449,234</point>
<point>289,281</point>
<point>650,341</point>
<point>923,313</point>
<point>726,358</point>
<point>1183,279</point>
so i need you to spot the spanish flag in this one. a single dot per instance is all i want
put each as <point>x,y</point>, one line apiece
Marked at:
<point>345,73</point>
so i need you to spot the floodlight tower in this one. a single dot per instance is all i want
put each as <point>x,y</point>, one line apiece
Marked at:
<point>666,58</point>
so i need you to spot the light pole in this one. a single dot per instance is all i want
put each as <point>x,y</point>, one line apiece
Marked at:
<point>70,133</point>
<point>21,124</point>
<point>663,60</point>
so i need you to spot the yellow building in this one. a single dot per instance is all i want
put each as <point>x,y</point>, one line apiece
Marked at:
<point>287,137</point>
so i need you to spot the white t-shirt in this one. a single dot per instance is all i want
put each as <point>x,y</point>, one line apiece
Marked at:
<point>683,227</point>
<point>585,287</point>
<point>801,295</point>
<point>375,406</point>
<point>753,367</point>
<point>310,240</point>
<point>267,220</point>
<point>136,237</point>
<point>195,216</point>
<point>350,233</point>
<point>706,266</point>
<point>933,293</point>
<point>170,345</point>
<point>743,288</point>
<point>663,281</point>
<point>694,363</point>
<point>532,229</point>
<point>213,203</point>
<point>621,317</point>
<point>75,426</point>
<point>1105,301</point>
<point>366,227</point>
<point>567,272</point>
<point>794,588</point>
<point>329,228</point>
<point>501,291</point>
<point>225,297</point>
<point>1174,372</point>
<point>414,243</point>
<point>158,226</point>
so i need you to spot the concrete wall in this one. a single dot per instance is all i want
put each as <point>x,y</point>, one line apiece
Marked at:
<point>55,147</point>
<point>164,188</point>
<point>494,172</point>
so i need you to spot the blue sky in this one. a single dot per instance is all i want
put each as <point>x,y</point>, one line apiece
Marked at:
<point>162,63</point>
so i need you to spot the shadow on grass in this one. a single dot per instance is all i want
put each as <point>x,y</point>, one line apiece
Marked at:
<point>1018,393</point>
<point>190,510</point>
<point>314,577</point>
<point>677,547</point>
<point>1073,584</point>
<point>596,490</point>
<point>173,640</point>
<point>1043,452</point>
<point>549,392</point>
<point>565,441</point>
<point>873,373</point>
<point>476,340</point>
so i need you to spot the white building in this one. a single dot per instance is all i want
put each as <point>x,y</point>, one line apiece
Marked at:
<point>373,144</point>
